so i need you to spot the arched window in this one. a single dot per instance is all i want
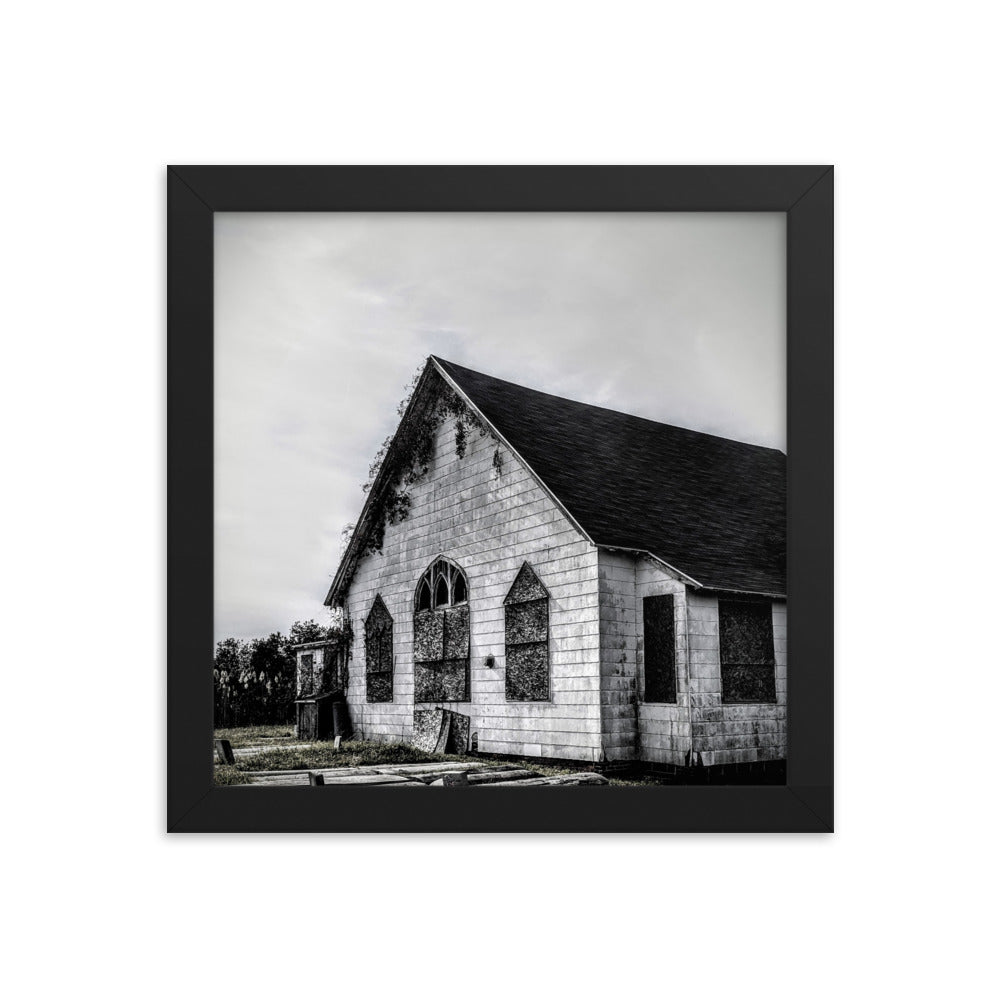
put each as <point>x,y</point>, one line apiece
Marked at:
<point>378,652</point>
<point>441,634</point>
<point>526,637</point>
<point>443,585</point>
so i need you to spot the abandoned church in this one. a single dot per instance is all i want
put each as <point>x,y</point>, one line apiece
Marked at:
<point>561,581</point>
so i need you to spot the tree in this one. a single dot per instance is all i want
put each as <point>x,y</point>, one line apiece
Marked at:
<point>309,631</point>
<point>255,680</point>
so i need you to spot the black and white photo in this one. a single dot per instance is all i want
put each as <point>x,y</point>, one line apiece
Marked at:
<point>567,562</point>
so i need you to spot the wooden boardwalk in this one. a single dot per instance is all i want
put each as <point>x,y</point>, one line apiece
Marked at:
<point>423,775</point>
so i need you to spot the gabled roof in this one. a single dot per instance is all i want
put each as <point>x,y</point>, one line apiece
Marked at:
<point>712,508</point>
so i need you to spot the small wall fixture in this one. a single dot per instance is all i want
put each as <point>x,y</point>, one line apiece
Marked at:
<point>491,661</point>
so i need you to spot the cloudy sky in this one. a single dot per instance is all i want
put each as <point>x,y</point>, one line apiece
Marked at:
<point>322,320</point>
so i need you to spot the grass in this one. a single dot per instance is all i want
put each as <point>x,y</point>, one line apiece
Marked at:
<point>355,753</point>
<point>251,736</point>
<point>226,774</point>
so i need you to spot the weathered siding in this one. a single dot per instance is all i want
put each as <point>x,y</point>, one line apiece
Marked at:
<point>664,729</point>
<point>733,734</point>
<point>619,720</point>
<point>698,729</point>
<point>633,729</point>
<point>489,524</point>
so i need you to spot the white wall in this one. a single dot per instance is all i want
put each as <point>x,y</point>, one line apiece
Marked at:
<point>733,734</point>
<point>489,524</point>
<point>698,722</point>
<point>665,730</point>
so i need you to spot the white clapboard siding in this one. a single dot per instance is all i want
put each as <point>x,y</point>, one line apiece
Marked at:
<point>733,734</point>
<point>489,525</point>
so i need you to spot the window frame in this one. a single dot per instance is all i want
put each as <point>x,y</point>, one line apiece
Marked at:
<point>445,570</point>
<point>510,602</point>
<point>747,601</point>
<point>378,606</point>
<point>673,651</point>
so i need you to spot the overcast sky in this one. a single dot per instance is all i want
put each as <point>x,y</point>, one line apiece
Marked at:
<point>322,319</point>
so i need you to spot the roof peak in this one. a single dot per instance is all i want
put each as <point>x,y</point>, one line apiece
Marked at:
<point>710,507</point>
<point>449,365</point>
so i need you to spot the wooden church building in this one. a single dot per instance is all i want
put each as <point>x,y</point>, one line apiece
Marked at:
<point>568,582</point>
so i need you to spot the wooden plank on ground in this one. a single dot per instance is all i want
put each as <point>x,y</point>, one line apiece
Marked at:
<point>252,751</point>
<point>580,778</point>
<point>507,774</point>
<point>558,780</point>
<point>452,779</point>
<point>444,765</point>
<point>429,777</point>
<point>346,770</point>
<point>364,779</point>
<point>517,783</point>
<point>285,779</point>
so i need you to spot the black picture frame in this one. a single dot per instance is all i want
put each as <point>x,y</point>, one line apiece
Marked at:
<point>804,193</point>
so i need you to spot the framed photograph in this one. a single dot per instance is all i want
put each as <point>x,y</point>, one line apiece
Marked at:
<point>500,499</point>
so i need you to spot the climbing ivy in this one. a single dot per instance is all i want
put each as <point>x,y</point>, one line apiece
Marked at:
<point>409,453</point>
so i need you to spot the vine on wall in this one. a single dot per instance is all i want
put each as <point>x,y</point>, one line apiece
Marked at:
<point>409,455</point>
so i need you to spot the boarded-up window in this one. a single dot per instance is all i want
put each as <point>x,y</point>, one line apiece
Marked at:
<point>378,652</point>
<point>441,655</point>
<point>659,665</point>
<point>746,649</point>
<point>441,635</point>
<point>526,635</point>
<point>306,684</point>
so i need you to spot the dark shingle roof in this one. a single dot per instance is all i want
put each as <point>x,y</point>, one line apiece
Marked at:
<point>710,507</point>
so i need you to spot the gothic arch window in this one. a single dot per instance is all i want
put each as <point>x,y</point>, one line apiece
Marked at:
<point>378,652</point>
<point>443,585</point>
<point>526,638</point>
<point>441,634</point>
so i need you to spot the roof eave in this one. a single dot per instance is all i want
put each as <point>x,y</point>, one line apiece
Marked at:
<point>680,574</point>
<point>775,594</point>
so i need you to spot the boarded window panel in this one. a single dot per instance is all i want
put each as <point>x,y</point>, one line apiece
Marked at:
<point>526,587</point>
<point>426,682</point>
<point>527,622</point>
<point>526,638</point>
<point>659,649</point>
<point>527,677</point>
<point>456,633</point>
<point>746,633</point>
<point>428,636</point>
<point>441,636</point>
<point>441,655</point>
<point>379,687</point>
<point>378,652</point>
<point>746,649</point>
<point>444,680</point>
<point>748,683</point>
<point>454,680</point>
